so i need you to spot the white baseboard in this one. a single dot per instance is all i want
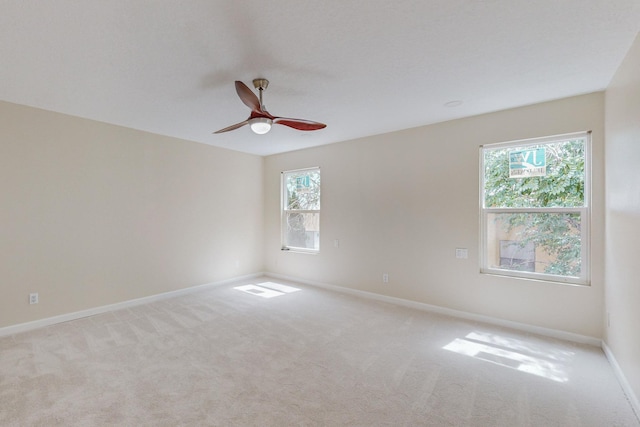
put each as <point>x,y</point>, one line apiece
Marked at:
<point>633,399</point>
<point>553,333</point>
<point>23,327</point>
<point>28,326</point>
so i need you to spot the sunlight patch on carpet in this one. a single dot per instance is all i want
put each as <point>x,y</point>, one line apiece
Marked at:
<point>267,289</point>
<point>514,354</point>
<point>278,287</point>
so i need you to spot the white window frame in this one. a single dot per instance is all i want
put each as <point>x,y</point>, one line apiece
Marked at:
<point>584,211</point>
<point>284,211</point>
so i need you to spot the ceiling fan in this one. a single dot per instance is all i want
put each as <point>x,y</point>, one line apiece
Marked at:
<point>260,119</point>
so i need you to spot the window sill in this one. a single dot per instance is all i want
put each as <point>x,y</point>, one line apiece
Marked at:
<point>543,279</point>
<point>300,251</point>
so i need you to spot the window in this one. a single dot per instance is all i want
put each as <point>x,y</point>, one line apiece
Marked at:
<point>535,208</point>
<point>301,210</point>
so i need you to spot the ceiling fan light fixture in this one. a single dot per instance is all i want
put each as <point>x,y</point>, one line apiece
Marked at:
<point>260,125</point>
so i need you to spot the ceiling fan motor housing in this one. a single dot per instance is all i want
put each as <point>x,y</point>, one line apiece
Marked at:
<point>260,84</point>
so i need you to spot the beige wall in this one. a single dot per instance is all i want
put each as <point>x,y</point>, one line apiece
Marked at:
<point>400,203</point>
<point>93,214</point>
<point>623,216</point>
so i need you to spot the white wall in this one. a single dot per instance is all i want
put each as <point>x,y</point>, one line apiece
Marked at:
<point>402,202</point>
<point>623,216</point>
<point>94,214</point>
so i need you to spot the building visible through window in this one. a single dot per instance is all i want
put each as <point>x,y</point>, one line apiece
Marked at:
<point>517,256</point>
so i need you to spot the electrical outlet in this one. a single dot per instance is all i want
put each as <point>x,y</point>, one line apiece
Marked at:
<point>462,253</point>
<point>336,243</point>
<point>33,298</point>
<point>385,277</point>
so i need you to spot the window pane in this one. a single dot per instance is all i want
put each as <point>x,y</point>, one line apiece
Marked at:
<point>302,190</point>
<point>538,242</point>
<point>302,230</point>
<point>535,176</point>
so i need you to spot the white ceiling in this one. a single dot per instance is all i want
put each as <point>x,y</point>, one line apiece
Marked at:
<point>363,67</point>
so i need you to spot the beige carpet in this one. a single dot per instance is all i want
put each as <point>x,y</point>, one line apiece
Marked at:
<point>230,357</point>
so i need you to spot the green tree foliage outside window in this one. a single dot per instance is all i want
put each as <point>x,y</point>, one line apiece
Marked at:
<point>301,208</point>
<point>563,186</point>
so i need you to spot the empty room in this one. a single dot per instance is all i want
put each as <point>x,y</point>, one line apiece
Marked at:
<point>360,213</point>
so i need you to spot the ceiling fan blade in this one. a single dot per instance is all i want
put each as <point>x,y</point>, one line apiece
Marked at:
<point>299,124</point>
<point>233,127</point>
<point>248,97</point>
